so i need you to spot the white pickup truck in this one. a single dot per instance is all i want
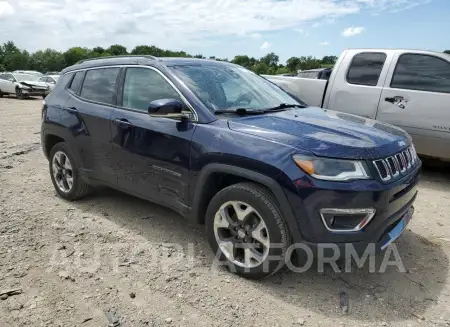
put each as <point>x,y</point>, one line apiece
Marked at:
<point>407,88</point>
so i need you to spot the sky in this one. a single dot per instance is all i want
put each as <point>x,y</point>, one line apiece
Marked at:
<point>225,28</point>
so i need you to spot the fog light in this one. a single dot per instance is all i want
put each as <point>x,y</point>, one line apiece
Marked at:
<point>346,220</point>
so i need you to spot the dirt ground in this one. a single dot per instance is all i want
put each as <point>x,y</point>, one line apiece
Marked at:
<point>114,260</point>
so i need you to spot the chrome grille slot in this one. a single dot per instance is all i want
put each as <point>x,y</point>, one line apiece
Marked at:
<point>400,163</point>
<point>382,169</point>
<point>407,156</point>
<point>393,166</point>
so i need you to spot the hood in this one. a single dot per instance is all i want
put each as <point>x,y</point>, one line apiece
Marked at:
<point>33,83</point>
<point>326,133</point>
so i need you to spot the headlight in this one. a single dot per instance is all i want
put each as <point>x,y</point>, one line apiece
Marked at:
<point>332,169</point>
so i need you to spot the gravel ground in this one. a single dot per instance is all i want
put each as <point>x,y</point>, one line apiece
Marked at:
<point>110,259</point>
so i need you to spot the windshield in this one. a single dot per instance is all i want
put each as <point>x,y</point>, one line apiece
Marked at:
<point>26,77</point>
<point>227,87</point>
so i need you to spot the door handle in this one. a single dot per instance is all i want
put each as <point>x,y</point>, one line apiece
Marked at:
<point>122,122</point>
<point>399,101</point>
<point>391,100</point>
<point>72,109</point>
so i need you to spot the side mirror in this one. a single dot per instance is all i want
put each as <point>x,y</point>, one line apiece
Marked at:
<point>169,108</point>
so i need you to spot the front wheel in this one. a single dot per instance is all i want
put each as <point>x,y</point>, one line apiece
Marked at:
<point>19,93</point>
<point>64,174</point>
<point>244,226</point>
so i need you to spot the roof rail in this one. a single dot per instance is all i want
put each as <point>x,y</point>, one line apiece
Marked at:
<point>121,56</point>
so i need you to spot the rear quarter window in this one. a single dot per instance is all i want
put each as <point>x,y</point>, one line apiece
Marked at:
<point>76,81</point>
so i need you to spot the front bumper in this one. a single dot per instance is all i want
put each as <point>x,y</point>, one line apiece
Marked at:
<point>35,92</point>
<point>393,204</point>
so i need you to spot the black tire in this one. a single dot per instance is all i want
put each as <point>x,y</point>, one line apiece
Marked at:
<point>267,207</point>
<point>79,188</point>
<point>19,93</point>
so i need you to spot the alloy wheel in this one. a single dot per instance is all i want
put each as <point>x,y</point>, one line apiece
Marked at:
<point>62,171</point>
<point>242,234</point>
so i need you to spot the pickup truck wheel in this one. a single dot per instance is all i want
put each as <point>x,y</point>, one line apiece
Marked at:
<point>64,174</point>
<point>19,93</point>
<point>244,223</point>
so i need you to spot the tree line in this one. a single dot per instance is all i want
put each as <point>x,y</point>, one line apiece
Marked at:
<point>12,58</point>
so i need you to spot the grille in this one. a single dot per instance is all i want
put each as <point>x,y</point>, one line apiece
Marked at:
<point>399,164</point>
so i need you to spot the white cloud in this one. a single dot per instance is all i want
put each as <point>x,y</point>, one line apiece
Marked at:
<point>172,24</point>
<point>5,9</point>
<point>352,31</point>
<point>266,45</point>
<point>392,6</point>
<point>256,36</point>
<point>324,43</point>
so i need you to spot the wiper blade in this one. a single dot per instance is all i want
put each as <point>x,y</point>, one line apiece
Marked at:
<point>240,111</point>
<point>283,106</point>
<point>245,111</point>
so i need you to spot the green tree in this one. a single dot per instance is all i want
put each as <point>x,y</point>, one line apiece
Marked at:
<point>117,50</point>
<point>244,61</point>
<point>260,68</point>
<point>447,51</point>
<point>293,64</point>
<point>75,54</point>
<point>271,59</point>
<point>329,60</point>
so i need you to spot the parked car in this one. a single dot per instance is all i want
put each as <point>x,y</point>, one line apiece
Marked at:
<point>319,73</point>
<point>22,85</point>
<point>28,72</point>
<point>52,73</point>
<point>50,80</point>
<point>407,88</point>
<point>226,148</point>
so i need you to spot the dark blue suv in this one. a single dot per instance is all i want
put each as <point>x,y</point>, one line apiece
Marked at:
<point>226,148</point>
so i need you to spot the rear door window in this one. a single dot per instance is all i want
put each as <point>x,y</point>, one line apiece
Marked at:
<point>100,85</point>
<point>422,73</point>
<point>366,68</point>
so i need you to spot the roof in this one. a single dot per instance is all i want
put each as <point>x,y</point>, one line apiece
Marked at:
<point>137,60</point>
<point>399,49</point>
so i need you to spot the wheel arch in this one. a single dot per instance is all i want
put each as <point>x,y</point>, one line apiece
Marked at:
<point>207,187</point>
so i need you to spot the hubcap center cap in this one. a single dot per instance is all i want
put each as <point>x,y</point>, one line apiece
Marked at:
<point>241,233</point>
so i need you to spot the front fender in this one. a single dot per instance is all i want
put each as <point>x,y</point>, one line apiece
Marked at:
<point>250,175</point>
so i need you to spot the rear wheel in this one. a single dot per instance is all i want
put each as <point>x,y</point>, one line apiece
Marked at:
<point>245,228</point>
<point>65,175</point>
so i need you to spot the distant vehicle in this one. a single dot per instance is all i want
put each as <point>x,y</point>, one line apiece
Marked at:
<point>287,74</point>
<point>50,80</point>
<point>22,85</point>
<point>52,73</point>
<point>407,88</point>
<point>29,72</point>
<point>319,73</point>
<point>226,148</point>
